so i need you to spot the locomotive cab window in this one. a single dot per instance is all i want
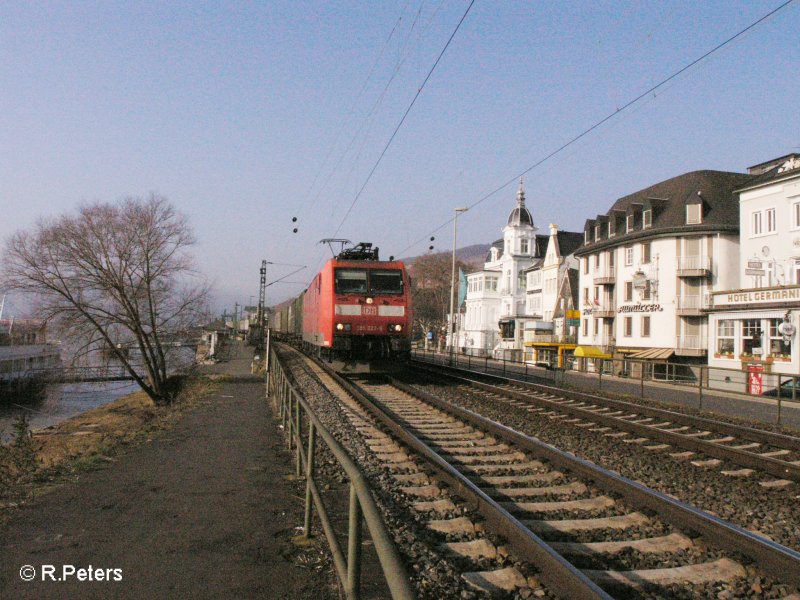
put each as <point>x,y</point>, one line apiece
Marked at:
<point>350,281</point>
<point>385,282</point>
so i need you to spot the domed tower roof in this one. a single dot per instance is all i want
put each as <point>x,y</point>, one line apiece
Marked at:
<point>520,215</point>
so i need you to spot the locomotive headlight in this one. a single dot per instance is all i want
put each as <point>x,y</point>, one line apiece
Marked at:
<point>339,327</point>
<point>395,328</point>
<point>370,300</point>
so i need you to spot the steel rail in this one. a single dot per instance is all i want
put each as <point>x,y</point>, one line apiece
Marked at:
<point>777,560</point>
<point>767,464</point>
<point>555,570</point>
<point>290,401</point>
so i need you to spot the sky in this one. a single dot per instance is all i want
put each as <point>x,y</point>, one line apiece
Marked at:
<point>248,115</point>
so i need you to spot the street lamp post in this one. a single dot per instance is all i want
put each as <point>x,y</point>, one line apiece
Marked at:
<point>453,284</point>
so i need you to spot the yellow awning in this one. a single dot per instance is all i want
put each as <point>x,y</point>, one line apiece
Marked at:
<point>590,352</point>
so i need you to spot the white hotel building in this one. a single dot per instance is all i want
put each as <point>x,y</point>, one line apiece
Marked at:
<point>649,267</point>
<point>755,322</point>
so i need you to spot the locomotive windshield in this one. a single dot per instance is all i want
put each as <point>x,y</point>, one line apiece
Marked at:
<point>350,281</point>
<point>376,281</point>
<point>386,282</point>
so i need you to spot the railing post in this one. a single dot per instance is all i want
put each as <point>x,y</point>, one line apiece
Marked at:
<point>309,477</point>
<point>298,467</point>
<point>290,419</point>
<point>354,547</point>
<point>526,372</point>
<point>600,372</point>
<point>700,389</point>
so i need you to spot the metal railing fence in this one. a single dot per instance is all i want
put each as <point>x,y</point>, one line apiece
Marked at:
<point>292,408</point>
<point>666,380</point>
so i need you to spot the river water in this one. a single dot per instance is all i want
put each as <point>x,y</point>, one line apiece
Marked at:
<point>62,401</point>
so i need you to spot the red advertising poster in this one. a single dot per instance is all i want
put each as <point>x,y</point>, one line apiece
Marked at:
<point>755,376</point>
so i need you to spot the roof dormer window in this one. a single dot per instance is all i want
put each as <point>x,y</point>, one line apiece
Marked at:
<point>629,220</point>
<point>694,213</point>
<point>597,232</point>
<point>611,230</point>
<point>647,218</point>
<point>587,236</point>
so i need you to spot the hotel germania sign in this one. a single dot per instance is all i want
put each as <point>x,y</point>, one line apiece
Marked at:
<point>757,296</point>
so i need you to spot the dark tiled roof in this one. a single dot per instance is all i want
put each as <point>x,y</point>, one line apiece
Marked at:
<point>568,242</point>
<point>776,172</point>
<point>668,201</point>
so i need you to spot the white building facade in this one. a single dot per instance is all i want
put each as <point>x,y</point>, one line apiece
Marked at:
<point>649,266</point>
<point>753,324</point>
<point>495,304</point>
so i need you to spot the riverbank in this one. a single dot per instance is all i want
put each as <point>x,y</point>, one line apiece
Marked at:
<point>90,438</point>
<point>205,509</point>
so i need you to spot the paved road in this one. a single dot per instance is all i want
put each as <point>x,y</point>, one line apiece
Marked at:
<point>202,511</point>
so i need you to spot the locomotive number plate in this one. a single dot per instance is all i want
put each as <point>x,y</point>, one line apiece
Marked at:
<point>369,311</point>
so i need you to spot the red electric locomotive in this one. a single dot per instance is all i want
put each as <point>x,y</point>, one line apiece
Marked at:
<point>359,307</point>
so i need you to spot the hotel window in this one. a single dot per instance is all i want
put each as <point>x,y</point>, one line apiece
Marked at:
<point>585,327</point>
<point>628,291</point>
<point>597,326</point>
<point>645,326</point>
<point>628,331</point>
<point>523,246</point>
<point>797,271</point>
<point>777,347</point>
<point>771,225</point>
<point>597,261</point>
<point>629,223</point>
<point>646,252</point>
<point>693,213</point>
<point>611,258</point>
<point>796,214</point>
<point>751,335</point>
<point>755,223</point>
<point>628,256</point>
<point>586,295</point>
<point>612,232</point>
<point>725,331</point>
<point>586,266</point>
<point>647,219</point>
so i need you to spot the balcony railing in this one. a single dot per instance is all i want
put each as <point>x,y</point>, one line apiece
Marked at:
<point>604,276</point>
<point>604,308</point>
<point>694,266</point>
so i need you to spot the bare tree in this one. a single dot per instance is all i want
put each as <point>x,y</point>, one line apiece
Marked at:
<point>113,277</point>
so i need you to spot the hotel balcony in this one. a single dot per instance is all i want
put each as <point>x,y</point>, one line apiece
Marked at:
<point>604,277</point>
<point>694,266</point>
<point>691,306</point>
<point>604,310</point>
<point>691,345</point>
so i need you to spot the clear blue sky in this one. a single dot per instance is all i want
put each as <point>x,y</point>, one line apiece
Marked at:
<point>248,114</point>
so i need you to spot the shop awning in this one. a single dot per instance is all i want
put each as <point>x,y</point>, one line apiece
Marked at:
<point>653,354</point>
<point>590,352</point>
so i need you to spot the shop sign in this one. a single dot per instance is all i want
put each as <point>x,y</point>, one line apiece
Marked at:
<point>755,264</point>
<point>633,308</point>
<point>756,296</point>
<point>756,272</point>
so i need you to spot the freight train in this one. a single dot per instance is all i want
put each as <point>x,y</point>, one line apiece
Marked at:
<point>357,308</point>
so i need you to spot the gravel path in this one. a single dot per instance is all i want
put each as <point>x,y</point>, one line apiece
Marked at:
<point>201,511</point>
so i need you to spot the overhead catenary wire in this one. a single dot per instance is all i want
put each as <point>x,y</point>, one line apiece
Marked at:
<point>605,119</point>
<point>403,118</point>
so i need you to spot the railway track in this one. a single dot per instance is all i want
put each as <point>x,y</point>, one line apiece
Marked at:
<point>574,529</point>
<point>704,442</point>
